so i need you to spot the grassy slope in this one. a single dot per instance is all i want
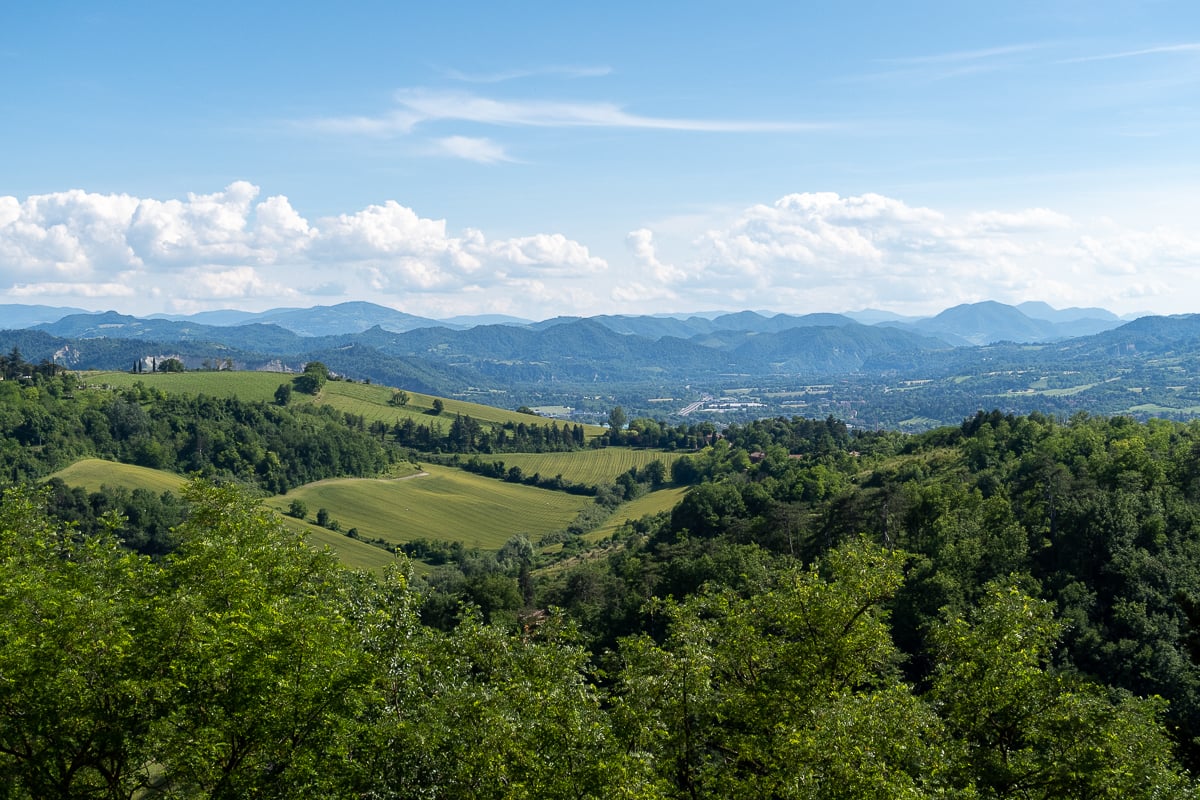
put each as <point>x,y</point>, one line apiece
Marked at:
<point>645,506</point>
<point>249,386</point>
<point>368,400</point>
<point>446,504</point>
<point>590,467</point>
<point>371,402</point>
<point>92,473</point>
<point>355,554</point>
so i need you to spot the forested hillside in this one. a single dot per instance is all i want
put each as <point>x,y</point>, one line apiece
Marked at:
<point>1009,607</point>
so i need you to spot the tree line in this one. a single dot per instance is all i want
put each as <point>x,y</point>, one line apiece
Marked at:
<point>55,421</point>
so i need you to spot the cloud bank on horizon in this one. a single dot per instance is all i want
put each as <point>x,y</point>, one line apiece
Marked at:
<point>804,252</point>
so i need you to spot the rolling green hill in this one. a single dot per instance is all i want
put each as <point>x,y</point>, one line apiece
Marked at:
<point>250,386</point>
<point>351,552</point>
<point>370,401</point>
<point>443,504</point>
<point>645,506</point>
<point>590,467</point>
<point>92,473</point>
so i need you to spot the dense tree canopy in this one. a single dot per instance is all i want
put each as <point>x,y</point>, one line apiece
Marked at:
<point>1005,608</point>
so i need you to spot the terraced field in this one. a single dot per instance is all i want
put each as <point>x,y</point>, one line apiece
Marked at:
<point>446,504</point>
<point>92,473</point>
<point>590,467</point>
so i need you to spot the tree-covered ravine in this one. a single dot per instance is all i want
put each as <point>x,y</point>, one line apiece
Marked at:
<point>1009,607</point>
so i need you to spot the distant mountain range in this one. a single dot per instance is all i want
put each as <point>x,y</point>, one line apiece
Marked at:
<point>898,371</point>
<point>975,323</point>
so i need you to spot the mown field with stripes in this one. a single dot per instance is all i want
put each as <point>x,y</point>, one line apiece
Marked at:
<point>647,505</point>
<point>92,473</point>
<point>591,467</point>
<point>368,400</point>
<point>446,504</point>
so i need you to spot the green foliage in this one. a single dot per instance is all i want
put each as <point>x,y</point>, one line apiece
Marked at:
<point>42,429</point>
<point>791,692</point>
<point>313,379</point>
<point>78,687</point>
<point>1026,730</point>
<point>297,509</point>
<point>1009,607</point>
<point>267,655</point>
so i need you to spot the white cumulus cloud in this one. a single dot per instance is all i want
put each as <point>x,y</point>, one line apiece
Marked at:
<point>822,251</point>
<point>230,246</point>
<point>807,251</point>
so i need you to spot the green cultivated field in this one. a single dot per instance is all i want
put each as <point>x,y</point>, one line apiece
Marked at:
<point>645,506</point>
<point>352,553</point>
<point>590,467</point>
<point>92,473</point>
<point>248,386</point>
<point>447,504</point>
<point>371,401</point>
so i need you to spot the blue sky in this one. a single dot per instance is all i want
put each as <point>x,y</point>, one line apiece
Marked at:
<point>541,159</point>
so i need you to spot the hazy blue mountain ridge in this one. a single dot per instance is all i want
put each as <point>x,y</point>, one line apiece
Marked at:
<point>16,316</point>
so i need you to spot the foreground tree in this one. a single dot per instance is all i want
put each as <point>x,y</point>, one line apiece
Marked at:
<point>80,692</point>
<point>269,662</point>
<point>231,669</point>
<point>789,693</point>
<point>1024,730</point>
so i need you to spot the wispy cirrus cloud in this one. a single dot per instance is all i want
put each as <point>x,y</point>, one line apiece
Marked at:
<point>960,56</point>
<point>417,106</point>
<point>470,148</point>
<point>538,72</point>
<point>1184,47</point>
<point>951,64</point>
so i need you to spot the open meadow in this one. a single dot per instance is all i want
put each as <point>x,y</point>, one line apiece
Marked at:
<point>368,400</point>
<point>373,402</point>
<point>445,504</point>
<point>248,386</point>
<point>351,552</point>
<point>92,473</point>
<point>590,467</point>
<point>647,505</point>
